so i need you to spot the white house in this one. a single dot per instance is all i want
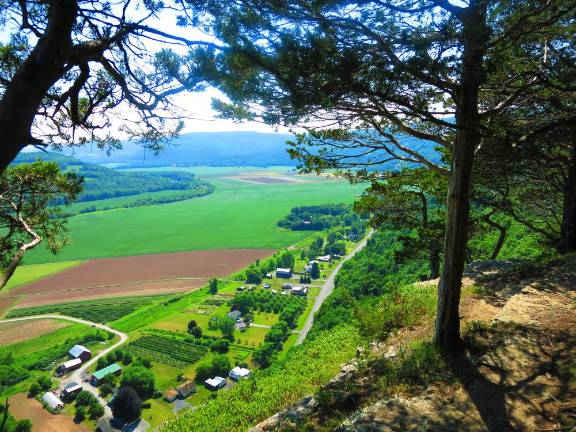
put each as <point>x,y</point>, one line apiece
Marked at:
<point>52,401</point>
<point>238,373</point>
<point>325,258</point>
<point>215,383</point>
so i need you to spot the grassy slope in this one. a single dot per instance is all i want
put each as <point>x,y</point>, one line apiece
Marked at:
<point>271,390</point>
<point>28,273</point>
<point>236,215</point>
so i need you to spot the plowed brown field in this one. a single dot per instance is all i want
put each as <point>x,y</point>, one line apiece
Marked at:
<point>20,331</point>
<point>23,407</point>
<point>135,275</point>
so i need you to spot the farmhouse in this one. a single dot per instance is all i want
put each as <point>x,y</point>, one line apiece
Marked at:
<point>186,389</point>
<point>235,315</point>
<point>69,366</point>
<point>284,273</point>
<point>241,326</point>
<point>52,401</point>
<point>238,373</point>
<point>80,352</point>
<point>215,383</point>
<point>99,375</point>
<point>70,389</point>
<point>171,395</point>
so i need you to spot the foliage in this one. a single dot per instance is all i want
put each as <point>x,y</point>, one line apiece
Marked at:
<point>169,351</point>
<point>102,183</point>
<point>85,399</point>
<point>141,379</point>
<point>221,346</point>
<point>219,365</point>
<point>372,273</point>
<point>26,218</point>
<point>322,217</point>
<point>126,405</point>
<point>266,301</point>
<point>271,390</point>
<point>213,286</point>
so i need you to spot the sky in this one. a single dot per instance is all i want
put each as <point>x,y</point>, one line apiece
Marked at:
<point>198,105</point>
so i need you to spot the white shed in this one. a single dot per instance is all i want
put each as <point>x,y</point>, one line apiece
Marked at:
<point>52,401</point>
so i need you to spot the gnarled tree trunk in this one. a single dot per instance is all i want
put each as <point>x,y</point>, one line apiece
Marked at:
<point>447,331</point>
<point>29,86</point>
<point>568,228</point>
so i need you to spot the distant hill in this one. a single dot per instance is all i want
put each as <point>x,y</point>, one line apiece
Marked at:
<point>200,148</point>
<point>225,149</point>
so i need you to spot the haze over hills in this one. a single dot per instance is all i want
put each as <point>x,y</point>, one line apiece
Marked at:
<point>227,149</point>
<point>199,148</point>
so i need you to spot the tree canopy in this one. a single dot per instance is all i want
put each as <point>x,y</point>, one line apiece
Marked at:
<point>26,217</point>
<point>71,71</point>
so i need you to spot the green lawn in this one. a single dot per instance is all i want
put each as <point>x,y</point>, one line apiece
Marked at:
<point>28,273</point>
<point>236,215</point>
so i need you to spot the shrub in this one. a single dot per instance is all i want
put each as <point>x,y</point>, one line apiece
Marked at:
<point>127,405</point>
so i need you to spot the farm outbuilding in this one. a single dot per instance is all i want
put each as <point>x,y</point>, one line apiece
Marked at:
<point>215,383</point>
<point>298,290</point>
<point>235,315</point>
<point>80,352</point>
<point>69,366</point>
<point>238,373</point>
<point>170,395</point>
<point>52,401</point>
<point>99,375</point>
<point>70,389</point>
<point>284,273</point>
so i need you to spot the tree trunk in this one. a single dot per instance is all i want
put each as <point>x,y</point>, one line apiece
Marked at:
<point>434,260</point>
<point>447,331</point>
<point>568,229</point>
<point>9,272</point>
<point>31,83</point>
<point>501,237</point>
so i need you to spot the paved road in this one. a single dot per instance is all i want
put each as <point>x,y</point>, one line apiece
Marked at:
<point>78,373</point>
<point>327,289</point>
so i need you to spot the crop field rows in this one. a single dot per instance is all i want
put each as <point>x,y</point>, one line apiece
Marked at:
<point>172,352</point>
<point>98,311</point>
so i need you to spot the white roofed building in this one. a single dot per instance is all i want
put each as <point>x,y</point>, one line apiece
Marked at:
<point>238,373</point>
<point>52,401</point>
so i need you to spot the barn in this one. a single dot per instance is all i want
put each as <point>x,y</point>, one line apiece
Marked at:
<point>80,352</point>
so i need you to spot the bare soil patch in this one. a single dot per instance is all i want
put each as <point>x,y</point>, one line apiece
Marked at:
<point>23,407</point>
<point>136,275</point>
<point>20,331</point>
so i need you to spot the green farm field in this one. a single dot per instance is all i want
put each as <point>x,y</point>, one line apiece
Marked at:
<point>237,215</point>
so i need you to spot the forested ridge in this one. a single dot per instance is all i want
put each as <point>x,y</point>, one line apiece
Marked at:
<point>102,183</point>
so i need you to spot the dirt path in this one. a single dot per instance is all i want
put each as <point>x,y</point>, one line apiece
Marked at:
<point>517,371</point>
<point>327,289</point>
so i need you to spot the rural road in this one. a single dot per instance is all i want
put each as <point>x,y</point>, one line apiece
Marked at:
<point>76,376</point>
<point>327,289</point>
